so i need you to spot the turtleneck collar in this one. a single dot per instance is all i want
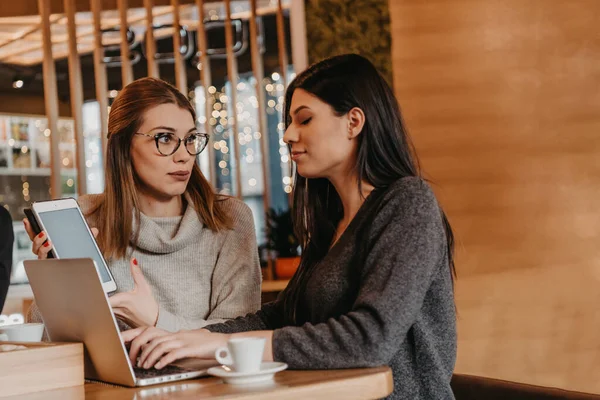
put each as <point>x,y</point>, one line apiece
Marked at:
<point>162,235</point>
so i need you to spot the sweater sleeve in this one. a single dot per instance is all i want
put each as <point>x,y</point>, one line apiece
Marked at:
<point>406,244</point>
<point>236,280</point>
<point>269,317</point>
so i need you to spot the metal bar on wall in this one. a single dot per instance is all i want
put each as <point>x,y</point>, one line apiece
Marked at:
<point>126,70</point>
<point>258,71</point>
<point>50,99</point>
<point>76,96</point>
<point>150,41</point>
<point>100,73</point>
<point>232,72</point>
<point>180,73</point>
<point>283,62</point>
<point>206,80</point>
<point>281,45</point>
<point>298,36</point>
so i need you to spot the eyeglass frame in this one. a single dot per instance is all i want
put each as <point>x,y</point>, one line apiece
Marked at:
<point>159,135</point>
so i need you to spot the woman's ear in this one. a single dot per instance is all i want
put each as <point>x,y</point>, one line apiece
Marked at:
<point>356,122</point>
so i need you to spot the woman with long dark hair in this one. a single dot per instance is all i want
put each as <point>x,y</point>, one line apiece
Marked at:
<point>375,283</point>
<point>173,245</point>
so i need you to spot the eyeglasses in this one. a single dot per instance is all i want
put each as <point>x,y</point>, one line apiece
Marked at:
<point>168,143</point>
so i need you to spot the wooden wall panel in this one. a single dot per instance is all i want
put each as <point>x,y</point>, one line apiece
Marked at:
<point>502,100</point>
<point>534,325</point>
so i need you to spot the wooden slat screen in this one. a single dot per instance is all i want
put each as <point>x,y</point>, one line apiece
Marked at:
<point>50,99</point>
<point>76,94</point>
<point>100,73</point>
<point>233,80</point>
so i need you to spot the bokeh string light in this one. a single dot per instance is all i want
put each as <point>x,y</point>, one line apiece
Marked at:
<point>249,135</point>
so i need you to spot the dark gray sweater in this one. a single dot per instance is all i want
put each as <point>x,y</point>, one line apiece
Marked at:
<point>6,248</point>
<point>382,296</point>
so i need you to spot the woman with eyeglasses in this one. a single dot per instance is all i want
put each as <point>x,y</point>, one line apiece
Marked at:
<point>375,282</point>
<point>182,256</point>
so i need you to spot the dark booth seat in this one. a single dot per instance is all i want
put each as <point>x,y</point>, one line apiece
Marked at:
<point>468,387</point>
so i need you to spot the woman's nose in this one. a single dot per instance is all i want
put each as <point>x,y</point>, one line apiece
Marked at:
<point>181,155</point>
<point>290,135</point>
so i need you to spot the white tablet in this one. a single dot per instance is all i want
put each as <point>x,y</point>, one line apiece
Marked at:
<point>70,235</point>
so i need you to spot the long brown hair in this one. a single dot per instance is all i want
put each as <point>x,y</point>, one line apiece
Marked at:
<point>385,154</point>
<point>114,215</point>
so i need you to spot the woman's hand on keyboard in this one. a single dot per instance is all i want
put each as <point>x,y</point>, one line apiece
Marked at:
<point>158,348</point>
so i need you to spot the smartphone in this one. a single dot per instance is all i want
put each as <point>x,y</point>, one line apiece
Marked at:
<point>35,226</point>
<point>70,235</point>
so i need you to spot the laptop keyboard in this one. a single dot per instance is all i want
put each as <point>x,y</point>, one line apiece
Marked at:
<point>152,372</point>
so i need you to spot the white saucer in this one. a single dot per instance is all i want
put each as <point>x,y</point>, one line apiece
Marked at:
<point>267,370</point>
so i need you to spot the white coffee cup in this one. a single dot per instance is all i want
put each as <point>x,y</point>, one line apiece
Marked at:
<point>22,332</point>
<point>242,354</point>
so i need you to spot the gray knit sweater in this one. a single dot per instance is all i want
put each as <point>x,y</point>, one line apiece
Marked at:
<point>382,296</point>
<point>196,275</point>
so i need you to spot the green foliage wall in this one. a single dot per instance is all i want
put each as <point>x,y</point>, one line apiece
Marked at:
<point>350,26</point>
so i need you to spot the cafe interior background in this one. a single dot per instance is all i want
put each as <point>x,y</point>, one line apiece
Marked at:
<point>501,98</point>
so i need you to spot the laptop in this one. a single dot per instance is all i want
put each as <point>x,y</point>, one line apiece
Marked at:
<point>75,308</point>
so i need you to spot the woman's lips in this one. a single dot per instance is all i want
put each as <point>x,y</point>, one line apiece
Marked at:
<point>180,175</point>
<point>297,154</point>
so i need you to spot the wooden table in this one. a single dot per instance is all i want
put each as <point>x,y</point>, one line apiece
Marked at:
<point>369,383</point>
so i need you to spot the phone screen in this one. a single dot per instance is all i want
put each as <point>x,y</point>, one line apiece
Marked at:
<point>71,239</point>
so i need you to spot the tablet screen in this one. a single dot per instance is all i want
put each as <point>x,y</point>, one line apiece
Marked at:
<point>71,239</point>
